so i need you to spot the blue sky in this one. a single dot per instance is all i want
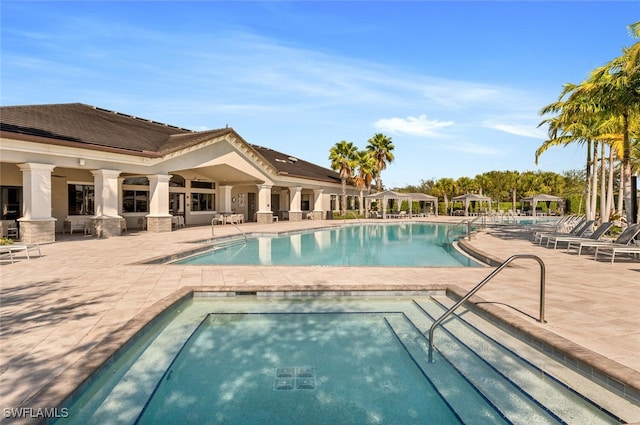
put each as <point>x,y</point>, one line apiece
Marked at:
<point>457,85</point>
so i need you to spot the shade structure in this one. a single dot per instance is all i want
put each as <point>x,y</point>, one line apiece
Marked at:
<point>543,197</point>
<point>472,197</point>
<point>398,196</point>
<point>422,197</point>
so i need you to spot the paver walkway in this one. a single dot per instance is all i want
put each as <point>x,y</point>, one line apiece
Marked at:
<point>56,308</point>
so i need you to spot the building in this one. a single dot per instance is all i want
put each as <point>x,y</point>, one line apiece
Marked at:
<point>68,162</point>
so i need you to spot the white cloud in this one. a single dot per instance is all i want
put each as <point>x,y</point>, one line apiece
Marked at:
<point>474,149</point>
<point>525,130</point>
<point>417,126</point>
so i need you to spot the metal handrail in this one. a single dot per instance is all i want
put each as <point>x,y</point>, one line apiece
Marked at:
<point>460,223</point>
<point>480,285</point>
<point>233,224</point>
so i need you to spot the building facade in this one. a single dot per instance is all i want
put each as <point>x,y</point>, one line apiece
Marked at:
<point>68,163</point>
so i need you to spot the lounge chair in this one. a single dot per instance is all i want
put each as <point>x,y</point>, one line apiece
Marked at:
<point>10,251</point>
<point>219,219</point>
<point>563,225</point>
<point>623,238</point>
<point>578,230</point>
<point>613,250</point>
<point>235,218</point>
<point>595,236</point>
<point>623,243</point>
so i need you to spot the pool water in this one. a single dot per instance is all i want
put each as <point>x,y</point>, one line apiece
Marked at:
<point>394,244</point>
<point>330,360</point>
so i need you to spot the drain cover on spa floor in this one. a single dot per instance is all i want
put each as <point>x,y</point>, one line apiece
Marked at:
<point>295,378</point>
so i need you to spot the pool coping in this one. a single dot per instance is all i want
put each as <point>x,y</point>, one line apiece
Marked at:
<point>620,379</point>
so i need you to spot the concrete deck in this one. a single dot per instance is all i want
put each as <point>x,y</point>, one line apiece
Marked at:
<point>57,309</point>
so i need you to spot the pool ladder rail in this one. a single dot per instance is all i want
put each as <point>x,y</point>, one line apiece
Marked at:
<point>480,285</point>
<point>468,223</point>
<point>213,235</point>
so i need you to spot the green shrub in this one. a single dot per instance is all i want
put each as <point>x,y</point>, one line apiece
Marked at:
<point>6,241</point>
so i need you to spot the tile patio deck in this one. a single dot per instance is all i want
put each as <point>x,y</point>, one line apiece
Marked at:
<point>57,308</point>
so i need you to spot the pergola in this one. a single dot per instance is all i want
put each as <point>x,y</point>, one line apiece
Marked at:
<point>472,197</point>
<point>533,200</point>
<point>386,195</point>
<point>422,197</point>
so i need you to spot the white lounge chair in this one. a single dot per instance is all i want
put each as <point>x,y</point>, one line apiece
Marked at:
<point>623,244</point>
<point>624,239</point>
<point>620,249</point>
<point>595,236</point>
<point>218,219</point>
<point>10,251</point>
<point>562,226</point>
<point>576,231</point>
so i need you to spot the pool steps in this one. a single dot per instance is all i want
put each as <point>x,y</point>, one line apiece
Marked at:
<point>518,389</point>
<point>456,391</point>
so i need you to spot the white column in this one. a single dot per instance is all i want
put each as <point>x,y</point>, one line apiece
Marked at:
<point>264,198</point>
<point>159,219</point>
<point>36,190</point>
<point>295,199</point>
<point>106,192</point>
<point>318,213</point>
<point>317,200</point>
<point>225,198</point>
<point>159,195</point>
<point>36,224</point>
<point>264,213</point>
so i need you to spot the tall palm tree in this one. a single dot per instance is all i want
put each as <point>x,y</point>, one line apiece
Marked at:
<point>616,86</point>
<point>366,171</point>
<point>575,121</point>
<point>381,148</point>
<point>343,159</point>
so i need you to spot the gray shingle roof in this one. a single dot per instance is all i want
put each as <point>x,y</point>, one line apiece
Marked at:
<point>292,166</point>
<point>104,129</point>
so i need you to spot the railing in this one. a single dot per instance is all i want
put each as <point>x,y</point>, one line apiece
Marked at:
<point>467,222</point>
<point>214,220</point>
<point>480,285</point>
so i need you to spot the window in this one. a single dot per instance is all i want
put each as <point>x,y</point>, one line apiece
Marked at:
<point>196,184</point>
<point>306,203</point>
<point>135,201</point>
<point>136,181</point>
<point>202,201</point>
<point>81,199</point>
<point>176,181</point>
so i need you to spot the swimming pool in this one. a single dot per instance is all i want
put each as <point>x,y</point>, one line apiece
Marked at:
<point>393,244</point>
<point>332,360</point>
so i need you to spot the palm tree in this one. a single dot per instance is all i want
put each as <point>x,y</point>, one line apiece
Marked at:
<point>576,122</point>
<point>616,87</point>
<point>366,170</point>
<point>343,159</point>
<point>446,186</point>
<point>381,147</point>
